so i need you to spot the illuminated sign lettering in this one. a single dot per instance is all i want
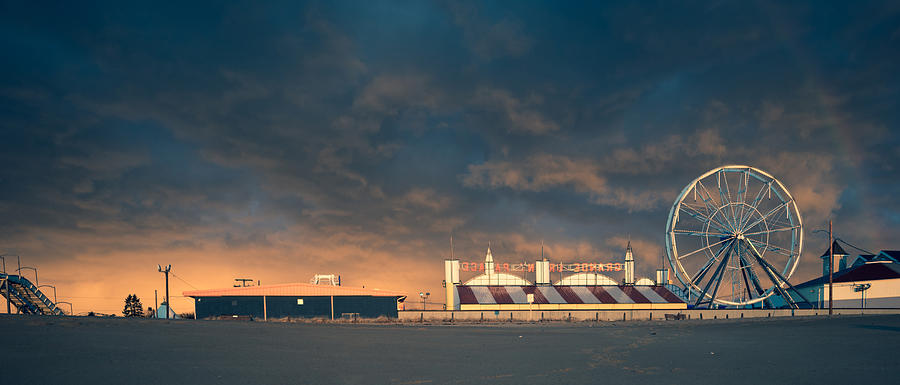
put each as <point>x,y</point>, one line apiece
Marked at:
<point>554,267</point>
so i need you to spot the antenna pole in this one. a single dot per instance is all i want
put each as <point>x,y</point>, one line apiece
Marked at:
<point>451,245</point>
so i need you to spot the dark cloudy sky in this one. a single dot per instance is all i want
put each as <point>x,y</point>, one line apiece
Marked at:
<point>276,141</point>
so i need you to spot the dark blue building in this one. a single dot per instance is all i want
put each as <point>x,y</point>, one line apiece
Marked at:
<point>296,300</point>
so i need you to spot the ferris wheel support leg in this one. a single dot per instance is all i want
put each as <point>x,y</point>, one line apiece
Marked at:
<point>754,279</point>
<point>744,275</point>
<point>773,274</point>
<point>699,276</point>
<point>781,292</point>
<point>717,276</point>
<point>789,284</point>
<point>702,273</point>
<point>719,280</point>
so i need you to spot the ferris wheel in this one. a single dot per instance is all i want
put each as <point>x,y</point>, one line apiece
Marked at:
<point>734,237</point>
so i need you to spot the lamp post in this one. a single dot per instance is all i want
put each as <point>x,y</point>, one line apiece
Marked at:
<point>168,300</point>
<point>71,311</point>
<point>424,297</point>
<point>19,272</point>
<point>54,291</point>
<point>861,288</point>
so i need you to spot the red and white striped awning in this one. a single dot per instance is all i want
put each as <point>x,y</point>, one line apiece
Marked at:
<point>490,295</point>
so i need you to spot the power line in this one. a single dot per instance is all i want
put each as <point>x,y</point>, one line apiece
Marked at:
<point>186,282</point>
<point>851,245</point>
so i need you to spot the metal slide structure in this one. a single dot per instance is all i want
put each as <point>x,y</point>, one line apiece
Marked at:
<point>26,297</point>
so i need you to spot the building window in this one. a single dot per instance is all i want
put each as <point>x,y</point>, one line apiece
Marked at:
<point>234,303</point>
<point>299,301</point>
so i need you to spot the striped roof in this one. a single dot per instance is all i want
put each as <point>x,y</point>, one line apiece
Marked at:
<point>293,290</point>
<point>489,295</point>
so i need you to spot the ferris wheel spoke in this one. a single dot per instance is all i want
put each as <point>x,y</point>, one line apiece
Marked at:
<point>745,211</point>
<point>680,257</point>
<point>700,211</point>
<point>724,194</point>
<point>702,218</point>
<point>775,224</point>
<point>769,214</point>
<point>731,202</point>
<point>774,230</point>
<point>741,214</point>
<point>752,206</point>
<point>771,248</point>
<point>704,234</point>
<point>745,184</point>
<point>706,200</point>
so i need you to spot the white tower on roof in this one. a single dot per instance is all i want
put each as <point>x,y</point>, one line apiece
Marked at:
<point>492,277</point>
<point>489,262</point>
<point>629,265</point>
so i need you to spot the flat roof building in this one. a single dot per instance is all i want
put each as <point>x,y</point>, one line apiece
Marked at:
<point>297,300</point>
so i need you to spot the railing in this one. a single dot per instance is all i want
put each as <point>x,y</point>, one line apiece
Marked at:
<point>27,297</point>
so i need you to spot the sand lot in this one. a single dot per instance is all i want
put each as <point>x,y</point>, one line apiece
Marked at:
<point>848,350</point>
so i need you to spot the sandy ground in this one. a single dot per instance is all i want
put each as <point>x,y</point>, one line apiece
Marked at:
<point>50,350</point>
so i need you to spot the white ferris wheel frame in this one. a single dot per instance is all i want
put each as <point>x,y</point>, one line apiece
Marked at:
<point>775,187</point>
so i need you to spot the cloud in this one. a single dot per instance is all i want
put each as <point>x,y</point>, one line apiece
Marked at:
<point>390,93</point>
<point>544,172</point>
<point>519,115</point>
<point>490,40</point>
<point>607,180</point>
<point>426,198</point>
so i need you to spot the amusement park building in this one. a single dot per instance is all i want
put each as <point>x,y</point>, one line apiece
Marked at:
<point>299,300</point>
<point>586,289</point>
<point>866,281</point>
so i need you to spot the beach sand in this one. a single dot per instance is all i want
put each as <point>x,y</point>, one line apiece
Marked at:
<point>802,350</point>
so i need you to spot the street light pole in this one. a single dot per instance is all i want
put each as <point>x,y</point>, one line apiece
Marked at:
<point>830,270</point>
<point>54,291</point>
<point>424,297</point>
<point>168,300</point>
<point>19,272</point>
<point>71,310</point>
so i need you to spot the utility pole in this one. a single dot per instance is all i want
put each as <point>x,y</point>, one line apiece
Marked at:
<point>168,300</point>
<point>830,270</point>
<point>155,305</point>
